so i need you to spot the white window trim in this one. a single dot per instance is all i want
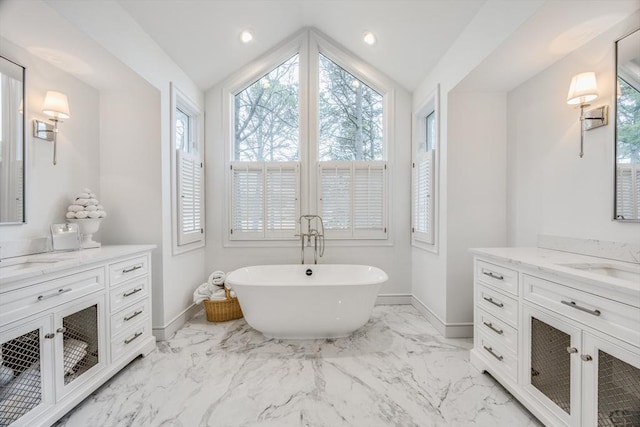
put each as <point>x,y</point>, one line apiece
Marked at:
<point>431,104</point>
<point>179,100</point>
<point>309,42</point>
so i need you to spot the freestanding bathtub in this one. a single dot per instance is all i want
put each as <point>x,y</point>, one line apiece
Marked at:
<point>307,301</point>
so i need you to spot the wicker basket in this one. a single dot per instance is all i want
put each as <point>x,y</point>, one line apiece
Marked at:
<point>223,310</point>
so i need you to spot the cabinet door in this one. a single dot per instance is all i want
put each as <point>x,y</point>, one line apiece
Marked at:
<point>26,382</point>
<point>611,382</point>
<point>80,343</point>
<point>552,363</point>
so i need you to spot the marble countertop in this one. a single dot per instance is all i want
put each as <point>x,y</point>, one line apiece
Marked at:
<point>560,263</point>
<point>32,266</point>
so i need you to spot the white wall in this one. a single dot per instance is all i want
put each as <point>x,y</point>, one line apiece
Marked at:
<point>51,188</point>
<point>393,258</point>
<point>439,292</point>
<point>551,190</point>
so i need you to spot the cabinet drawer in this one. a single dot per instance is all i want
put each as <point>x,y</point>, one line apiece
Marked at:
<point>495,275</point>
<point>128,293</point>
<point>123,319</point>
<point>611,317</point>
<point>501,332</point>
<point>499,357</point>
<point>126,270</point>
<point>32,299</point>
<point>123,343</point>
<point>503,307</point>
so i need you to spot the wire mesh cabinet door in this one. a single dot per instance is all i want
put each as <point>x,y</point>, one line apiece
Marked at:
<point>551,370</point>
<point>611,382</point>
<point>80,343</point>
<point>26,380</point>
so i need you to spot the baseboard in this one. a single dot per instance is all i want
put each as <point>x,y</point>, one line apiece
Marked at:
<point>447,330</point>
<point>165,332</point>
<point>393,299</point>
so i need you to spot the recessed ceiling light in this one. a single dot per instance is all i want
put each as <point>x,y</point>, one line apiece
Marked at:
<point>246,36</point>
<point>369,38</point>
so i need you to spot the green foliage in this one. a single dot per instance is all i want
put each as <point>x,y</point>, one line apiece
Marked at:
<point>628,123</point>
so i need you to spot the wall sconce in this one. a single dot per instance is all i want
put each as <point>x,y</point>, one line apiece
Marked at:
<point>56,105</point>
<point>582,90</point>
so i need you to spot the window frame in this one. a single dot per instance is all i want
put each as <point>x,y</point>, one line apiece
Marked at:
<point>308,44</point>
<point>178,100</point>
<point>421,240</point>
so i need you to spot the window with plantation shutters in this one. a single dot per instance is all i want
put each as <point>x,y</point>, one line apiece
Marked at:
<point>423,176</point>
<point>187,174</point>
<point>628,190</point>
<point>353,199</point>
<point>308,130</point>
<point>265,200</point>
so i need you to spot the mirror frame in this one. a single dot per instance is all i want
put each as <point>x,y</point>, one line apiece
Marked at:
<point>24,144</point>
<point>615,129</point>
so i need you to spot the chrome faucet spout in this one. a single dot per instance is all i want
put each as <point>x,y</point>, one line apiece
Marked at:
<point>316,233</point>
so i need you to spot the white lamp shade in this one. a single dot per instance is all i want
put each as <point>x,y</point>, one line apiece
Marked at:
<point>56,105</point>
<point>583,88</point>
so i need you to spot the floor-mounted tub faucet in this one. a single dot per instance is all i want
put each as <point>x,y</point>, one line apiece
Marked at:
<point>317,234</point>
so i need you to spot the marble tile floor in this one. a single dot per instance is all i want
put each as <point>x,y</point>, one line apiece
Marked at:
<point>395,371</point>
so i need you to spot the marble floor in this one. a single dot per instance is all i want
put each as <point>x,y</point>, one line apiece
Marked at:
<point>395,371</point>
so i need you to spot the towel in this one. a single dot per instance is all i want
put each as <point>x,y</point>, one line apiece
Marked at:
<point>201,293</point>
<point>217,278</point>
<point>6,375</point>
<point>219,295</point>
<point>74,352</point>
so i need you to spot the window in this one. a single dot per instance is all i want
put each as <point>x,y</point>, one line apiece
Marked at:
<point>307,121</point>
<point>188,191</point>
<point>424,175</point>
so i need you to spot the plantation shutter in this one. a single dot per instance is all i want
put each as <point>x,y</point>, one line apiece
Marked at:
<point>369,199</point>
<point>353,199</point>
<point>422,197</point>
<point>282,195</point>
<point>265,199</point>
<point>189,198</point>
<point>628,191</point>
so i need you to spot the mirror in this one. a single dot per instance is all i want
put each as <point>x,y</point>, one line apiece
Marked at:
<point>12,142</point>
<point>627,130</point>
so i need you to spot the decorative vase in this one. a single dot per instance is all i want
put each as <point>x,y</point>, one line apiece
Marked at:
<point>87,227</point>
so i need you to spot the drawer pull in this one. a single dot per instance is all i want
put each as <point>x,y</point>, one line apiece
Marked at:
<point>490,350</point>
<point>489,299</point>
<point>134,337</point>
<point>61,330</point>
<point>493,275</point>
<point>130,269</point>
<point>572,350</point>
<point>60,292</point>
<point>136,314</point>
<point>586,358</point>
<point>135,291</point>
<point>50,336</point>
<point>493,328</point>
<point>577,307</point>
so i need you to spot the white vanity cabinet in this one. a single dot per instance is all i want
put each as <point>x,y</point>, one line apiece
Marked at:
<point>61,335</point>
<point>567,348</point>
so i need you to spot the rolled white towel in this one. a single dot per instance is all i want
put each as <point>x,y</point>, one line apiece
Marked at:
<point>81,201</point>
<point>81,215</point>
<point>217,278</point>
<point>75,208</point>
<point>100,207</point>
<point>102,214</point>
<point>93,214</point>
<point>71,215</point>
<point>93,202</point>
<point>83,195</point>
<point>201,293</point>
<point>218,295</point>
<point>74,351</point>
<point>91,208</point>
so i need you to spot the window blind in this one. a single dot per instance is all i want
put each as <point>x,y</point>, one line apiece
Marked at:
<point>422,188</point>
<point>353,199</point>
<point>189,198</point>
<point>264,199</point>
<point>628,190</point>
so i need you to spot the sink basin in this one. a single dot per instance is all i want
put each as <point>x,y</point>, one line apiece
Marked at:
<point>8,266</point>
<point>610,270</point>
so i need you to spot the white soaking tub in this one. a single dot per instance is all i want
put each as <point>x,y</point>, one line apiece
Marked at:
<point>307,301</point>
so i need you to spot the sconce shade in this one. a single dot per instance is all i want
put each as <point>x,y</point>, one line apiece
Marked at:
<point>583,88</point>
<point>56,105</point>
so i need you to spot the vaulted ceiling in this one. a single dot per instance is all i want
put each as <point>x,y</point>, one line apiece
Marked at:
<point>202,36</point>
